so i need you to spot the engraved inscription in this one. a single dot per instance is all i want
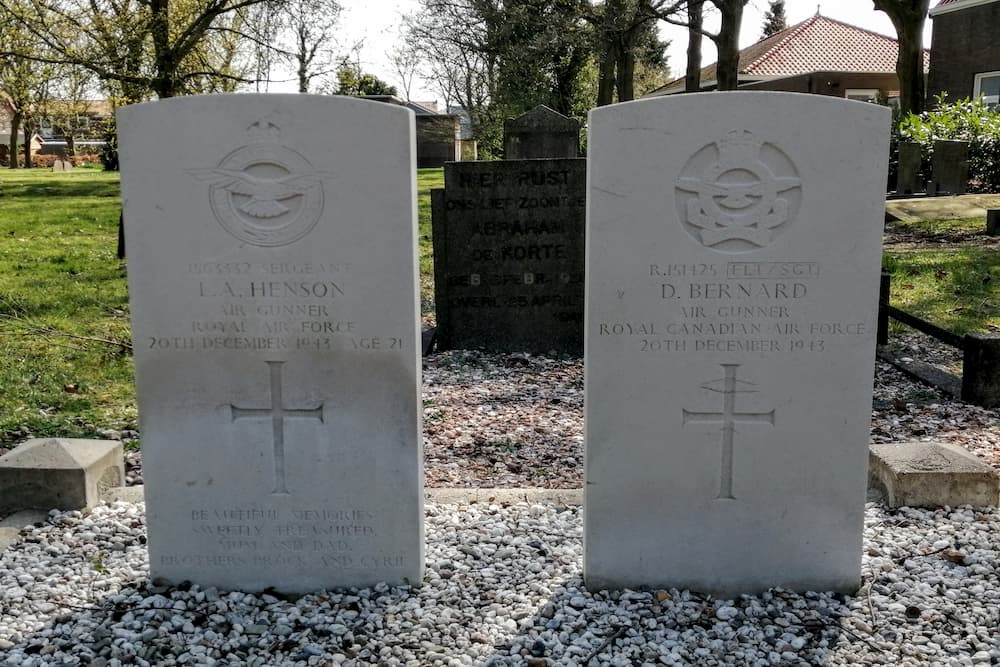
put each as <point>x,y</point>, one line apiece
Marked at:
<point>273,306</point>
<point>759,308</point>
<point>728,419</point>
<point>278,414</point>
<point>737,194</point>
<point>512,253</point>
<point>264,194</point>
<point>337,538</point>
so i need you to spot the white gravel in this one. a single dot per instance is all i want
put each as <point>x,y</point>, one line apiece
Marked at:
<point>503,587</point>
<point>503,583</point>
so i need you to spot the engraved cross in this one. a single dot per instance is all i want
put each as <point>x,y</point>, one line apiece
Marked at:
<point>728,418</point>
<point>278,414</point>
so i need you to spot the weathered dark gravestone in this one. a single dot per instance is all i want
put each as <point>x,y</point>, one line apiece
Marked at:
<point>541,133</point>
<point>950,165</point>
<point>993,222</point>
<point>509,254</point>
<point>908,173</point>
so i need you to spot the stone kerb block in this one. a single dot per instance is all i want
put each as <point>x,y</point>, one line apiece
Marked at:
<point>932,474</point>
<point>59,473</point>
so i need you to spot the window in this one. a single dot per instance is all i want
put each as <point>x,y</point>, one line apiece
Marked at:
<point>988,86</point>
<point>862,94</point>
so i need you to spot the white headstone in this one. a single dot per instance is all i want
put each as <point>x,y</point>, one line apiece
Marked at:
<point>734,242</point>
<point>272,275</point>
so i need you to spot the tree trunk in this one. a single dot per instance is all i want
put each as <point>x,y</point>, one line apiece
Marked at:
<point>302,58</point>
<point>606,79</point>
<point>692,76</point>
<point>626,72</point>
<point>303,77</point>
<point>159,29</point>
<point>910,70</point>
<point>121,235</point>
<point>27,144</point>
<point>908,18</point>
<point>15,127</point>
<point>727,43</point>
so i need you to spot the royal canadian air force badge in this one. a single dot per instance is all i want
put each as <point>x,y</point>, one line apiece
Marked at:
<point>264,193</point>
<point>737,194</point>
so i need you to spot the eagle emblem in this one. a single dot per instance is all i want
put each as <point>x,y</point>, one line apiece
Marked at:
<point>264,193</point>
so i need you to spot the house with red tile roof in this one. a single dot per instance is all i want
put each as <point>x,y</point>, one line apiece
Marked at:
<point>965,50</point>
<point>819,55</point>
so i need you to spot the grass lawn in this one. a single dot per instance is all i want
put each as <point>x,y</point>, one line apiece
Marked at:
<point>59,278</point>
<point>948,275</point>
<point>427,179</point>
<point>64,329</point>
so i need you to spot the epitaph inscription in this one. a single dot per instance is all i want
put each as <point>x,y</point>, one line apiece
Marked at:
<point>729,386</point>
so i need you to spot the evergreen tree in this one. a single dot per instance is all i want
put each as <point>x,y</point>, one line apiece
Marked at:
<point>352,81</point>
<point>774,18</point>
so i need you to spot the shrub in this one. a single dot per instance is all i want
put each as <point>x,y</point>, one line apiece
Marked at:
<point>45,161</point>
<point>965,120</point>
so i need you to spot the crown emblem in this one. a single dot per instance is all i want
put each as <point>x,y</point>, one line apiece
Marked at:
<point>739,147</point>
<point>264,131</point>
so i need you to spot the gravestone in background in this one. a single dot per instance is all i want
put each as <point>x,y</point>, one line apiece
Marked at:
<point>993,222</point>
<point>272,280</point>
<point>541,133</point>
<point>950,166</point>
<point>509,254</point>
<point>732,296</point>
<point>908,171</point>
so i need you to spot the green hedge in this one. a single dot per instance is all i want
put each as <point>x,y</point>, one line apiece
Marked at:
<point>965,120</point>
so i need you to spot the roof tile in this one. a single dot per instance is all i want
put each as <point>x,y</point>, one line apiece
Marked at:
<point>817,44</point>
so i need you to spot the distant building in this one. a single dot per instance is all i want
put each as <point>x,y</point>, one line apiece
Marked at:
<point>438,134</point>
<point>466,134</point>
<point>965,50</point>
<point>820,56</point>
<point>66,126</point>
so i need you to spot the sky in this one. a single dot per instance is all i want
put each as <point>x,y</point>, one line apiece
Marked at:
<point>376,24</point>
